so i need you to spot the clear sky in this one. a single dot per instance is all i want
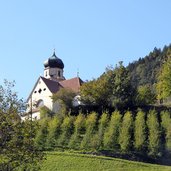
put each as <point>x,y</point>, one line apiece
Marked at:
<point>88,35</point>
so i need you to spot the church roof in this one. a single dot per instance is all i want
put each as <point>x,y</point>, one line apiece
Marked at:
<point>73,84</point>
<point>53,86</point>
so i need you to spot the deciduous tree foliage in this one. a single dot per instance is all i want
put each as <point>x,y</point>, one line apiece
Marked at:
<point>66,131</point>
<point>65,98</point>
<point>140,135</point>
<point>90,126</point>
<point>17,149</point>
<point>76,138</point>
<point>125,139</point>
<point>153,133</point>
<point>164,80</point>
<point>111,89</point>
<point>145,96</point>
<point>166,125</point>
<point>111,133</point>
<point>41,136</point>
<point>53,131</point>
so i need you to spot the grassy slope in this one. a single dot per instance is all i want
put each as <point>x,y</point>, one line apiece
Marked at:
<point>63,161</point>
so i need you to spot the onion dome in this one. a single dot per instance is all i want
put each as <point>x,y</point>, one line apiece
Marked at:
<point>54,62</point>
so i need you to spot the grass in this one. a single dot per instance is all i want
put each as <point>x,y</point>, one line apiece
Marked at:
<point>65,161</point>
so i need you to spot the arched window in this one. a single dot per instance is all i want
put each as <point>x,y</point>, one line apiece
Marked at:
<point>40,103</point>
<point>59,74</point>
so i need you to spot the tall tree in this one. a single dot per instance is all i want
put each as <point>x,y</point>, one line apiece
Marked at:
<point>90,130</point>
<point>53,132</point>
<point>17,149</point>
<point>153,133</point>
<point>166,129</point>
<point>111,134</point>
<point>79,125</point>
<point>140,132</point>
<point>164,80</point>
<point>41,135</point>
<point>66,131</point>
<point>125,136</point>
<point>120,86</point>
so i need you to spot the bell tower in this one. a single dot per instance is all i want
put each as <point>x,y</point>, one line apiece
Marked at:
<point>54,68</point>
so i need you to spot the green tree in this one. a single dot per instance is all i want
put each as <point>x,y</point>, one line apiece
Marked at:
<point>120,87</point>
<point>114,84</point>
<point>166,129</point>
<point>90,126</point>
<point>111,134</point>
<point>103,123</point>
<point>164,80</point>
<point>64,97</point>
<point>145,96</point>
<point>153,133</point>
<point>41,135</point>
<point>17,149</point>
<point>93,92</point>
<point>140,132</point>
<point>125,135</point>
<point>76,137</point>
<point>66,131</point>
<point>53,132</point>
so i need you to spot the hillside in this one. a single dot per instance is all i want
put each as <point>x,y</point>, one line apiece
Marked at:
<point>64,161</point>
<point>145,70</point>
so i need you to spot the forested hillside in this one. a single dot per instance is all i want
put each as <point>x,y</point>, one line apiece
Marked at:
<point>145,70</point>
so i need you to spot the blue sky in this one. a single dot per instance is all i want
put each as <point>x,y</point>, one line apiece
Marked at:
<point>87,35</point>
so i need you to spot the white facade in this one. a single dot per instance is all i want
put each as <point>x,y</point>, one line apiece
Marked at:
<point>54,73</point>
<point>44,88</point>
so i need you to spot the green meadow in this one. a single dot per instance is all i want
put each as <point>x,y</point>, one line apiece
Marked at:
<point>65,161</point>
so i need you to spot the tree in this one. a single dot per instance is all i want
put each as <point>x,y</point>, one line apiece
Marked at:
<point>53,132</point>
<point>125,135</point>
<point>111,134</point>
<point>17,149</point>
<point>41,135</point>
<point>103,123</point>
<point>145,96</point>
<point>64,97</point>
<point>90,130</point>
<point>153,133</point>
<point>93,92</point>
<point>140,132</point>
<point>111,89</point>
<point>66,131</point>
<point>164,80</point>
<point>79,125</point>
<point>120,86</point>
<point>166,129</point>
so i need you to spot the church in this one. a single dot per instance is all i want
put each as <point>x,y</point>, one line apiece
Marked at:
<point>52,81</point>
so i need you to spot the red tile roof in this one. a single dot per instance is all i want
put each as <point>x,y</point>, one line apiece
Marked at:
<point>73,84</point>
<point>54,86</point>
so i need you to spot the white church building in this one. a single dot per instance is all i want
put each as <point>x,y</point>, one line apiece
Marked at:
<point>52,81</point>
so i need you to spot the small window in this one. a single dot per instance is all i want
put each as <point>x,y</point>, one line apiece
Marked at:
<point>59,74</point>
<point>44,89</point>
<point>40,90</point>
<point>46,73</point>
<point>35,91</point>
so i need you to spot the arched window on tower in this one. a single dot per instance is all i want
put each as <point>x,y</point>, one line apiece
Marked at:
<point>59,74</point>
